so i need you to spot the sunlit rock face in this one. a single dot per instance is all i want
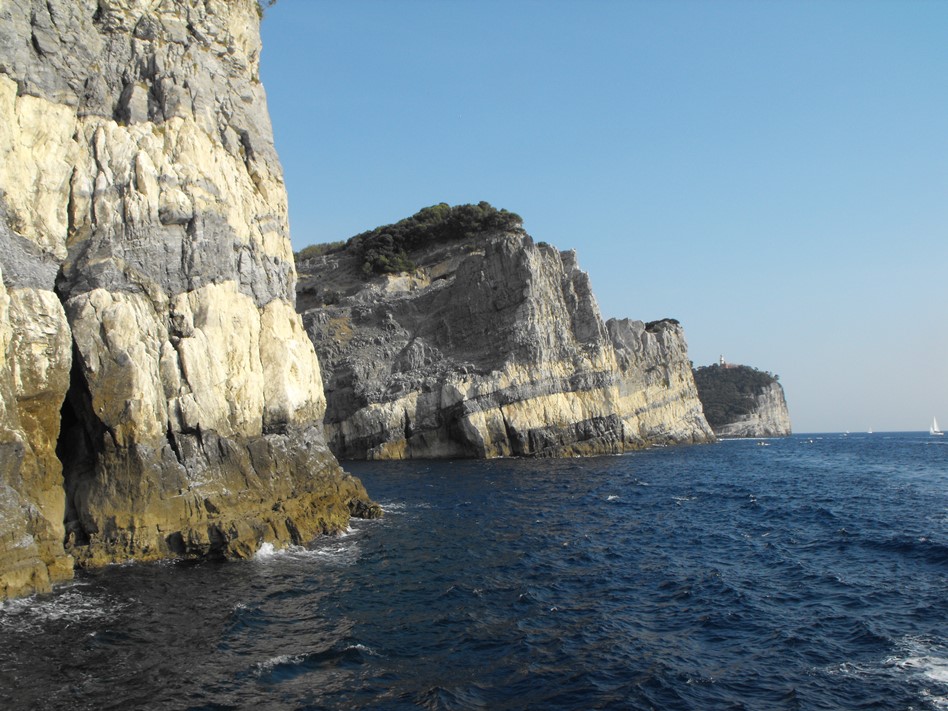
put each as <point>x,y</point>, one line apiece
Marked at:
<point>492,346</point>
<point>160,397</point>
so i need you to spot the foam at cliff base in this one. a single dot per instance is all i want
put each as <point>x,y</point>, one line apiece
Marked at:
<point>342,549</point>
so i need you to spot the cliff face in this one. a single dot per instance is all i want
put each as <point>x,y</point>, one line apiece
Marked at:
<point>492,347</point>
<point>740,401</point>
<point>158,391</point>
<point>768,417</point>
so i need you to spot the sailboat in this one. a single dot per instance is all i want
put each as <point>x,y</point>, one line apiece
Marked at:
<point>933,430</point>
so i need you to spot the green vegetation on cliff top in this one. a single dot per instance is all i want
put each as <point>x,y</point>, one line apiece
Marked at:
<point>729,392</point>
<point>385,249</point>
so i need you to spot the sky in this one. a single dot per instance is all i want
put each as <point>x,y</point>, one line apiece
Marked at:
<point>774,175</point>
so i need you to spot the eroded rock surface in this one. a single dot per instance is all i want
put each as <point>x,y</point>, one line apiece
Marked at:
<point>147,319</point>
<point>493,346</point>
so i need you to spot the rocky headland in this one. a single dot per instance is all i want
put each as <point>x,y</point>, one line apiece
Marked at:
<point>453,334</point>
<point>741,401</point>
<point>158,394</point>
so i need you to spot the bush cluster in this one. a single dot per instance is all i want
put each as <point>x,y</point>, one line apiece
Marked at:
<point>318,250</point>
<point>655,325</point>
<point>729,393</point>
<point>385,249</point>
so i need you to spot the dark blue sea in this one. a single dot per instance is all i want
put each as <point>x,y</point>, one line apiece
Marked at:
<point>801,573</point>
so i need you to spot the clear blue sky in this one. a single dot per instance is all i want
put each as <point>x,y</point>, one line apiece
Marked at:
<point>772,174</point>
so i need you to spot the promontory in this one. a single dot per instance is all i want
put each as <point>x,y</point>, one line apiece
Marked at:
<point>741,401</point>
<point>453,334</point>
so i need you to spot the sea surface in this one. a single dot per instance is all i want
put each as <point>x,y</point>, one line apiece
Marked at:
<point>801,573</point>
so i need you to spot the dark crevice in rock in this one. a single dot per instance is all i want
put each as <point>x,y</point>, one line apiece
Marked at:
<point>513,437</point>
<point>409,430</point>
<point>276,428</point>
<point>173,443</point>
<point>79,447</point>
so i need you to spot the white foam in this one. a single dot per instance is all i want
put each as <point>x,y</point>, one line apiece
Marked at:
<point>929,660</point>
<point>612,497</point>
<point>362,648</point>
<point>393,506</point>
<point>273,662</point>
<point>73,605</point>
<point>935,668</point>
<point>266,550</point>
<point>338,549</point>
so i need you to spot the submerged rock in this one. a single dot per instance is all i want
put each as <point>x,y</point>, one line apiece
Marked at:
<point>488,345</point>
<point>159,394</point>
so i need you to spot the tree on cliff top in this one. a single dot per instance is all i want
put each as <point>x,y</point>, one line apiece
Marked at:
<point>728,393</point>
<point>385,249</point>
<point>262,6</point>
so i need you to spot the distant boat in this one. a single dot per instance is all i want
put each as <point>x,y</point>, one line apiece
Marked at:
<point>933,430</point>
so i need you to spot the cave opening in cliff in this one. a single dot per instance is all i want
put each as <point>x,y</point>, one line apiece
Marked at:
<point>78,448</point>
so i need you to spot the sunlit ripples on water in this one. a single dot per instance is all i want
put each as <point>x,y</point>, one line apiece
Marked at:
<point>808,574</point>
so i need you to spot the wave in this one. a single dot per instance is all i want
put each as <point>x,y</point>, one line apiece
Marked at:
<point>399,506</point>
<point>341,548</point>
<point>925,658</point>
<point>919,548</point>
<point>71,604</point>
<point>284,666</point>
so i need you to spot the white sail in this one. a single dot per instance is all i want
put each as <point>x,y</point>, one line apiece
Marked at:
<point>934,428</point>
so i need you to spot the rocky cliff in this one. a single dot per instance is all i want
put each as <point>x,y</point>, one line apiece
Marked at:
<point>768,417</point>
<point>488,345</point>
<point>740,401</point>
<point>159,395</point>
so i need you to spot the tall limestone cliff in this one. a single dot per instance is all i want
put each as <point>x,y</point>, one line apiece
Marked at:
<point>159,394</point>
<point>740,401</point>
<point>486,345</point>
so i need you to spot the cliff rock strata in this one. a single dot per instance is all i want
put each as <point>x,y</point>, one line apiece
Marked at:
<point>492,346</point>
<point>159,395</point>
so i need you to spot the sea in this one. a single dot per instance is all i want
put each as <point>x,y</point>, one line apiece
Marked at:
<point>809,572</point>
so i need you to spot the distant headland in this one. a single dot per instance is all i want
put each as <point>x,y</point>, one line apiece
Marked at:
<point>741,401</point>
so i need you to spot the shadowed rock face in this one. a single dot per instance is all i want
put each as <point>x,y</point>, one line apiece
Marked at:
<point>493,347</point>
<point>768,417</point>
<point>159,395</point>
<point>741,401</point>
